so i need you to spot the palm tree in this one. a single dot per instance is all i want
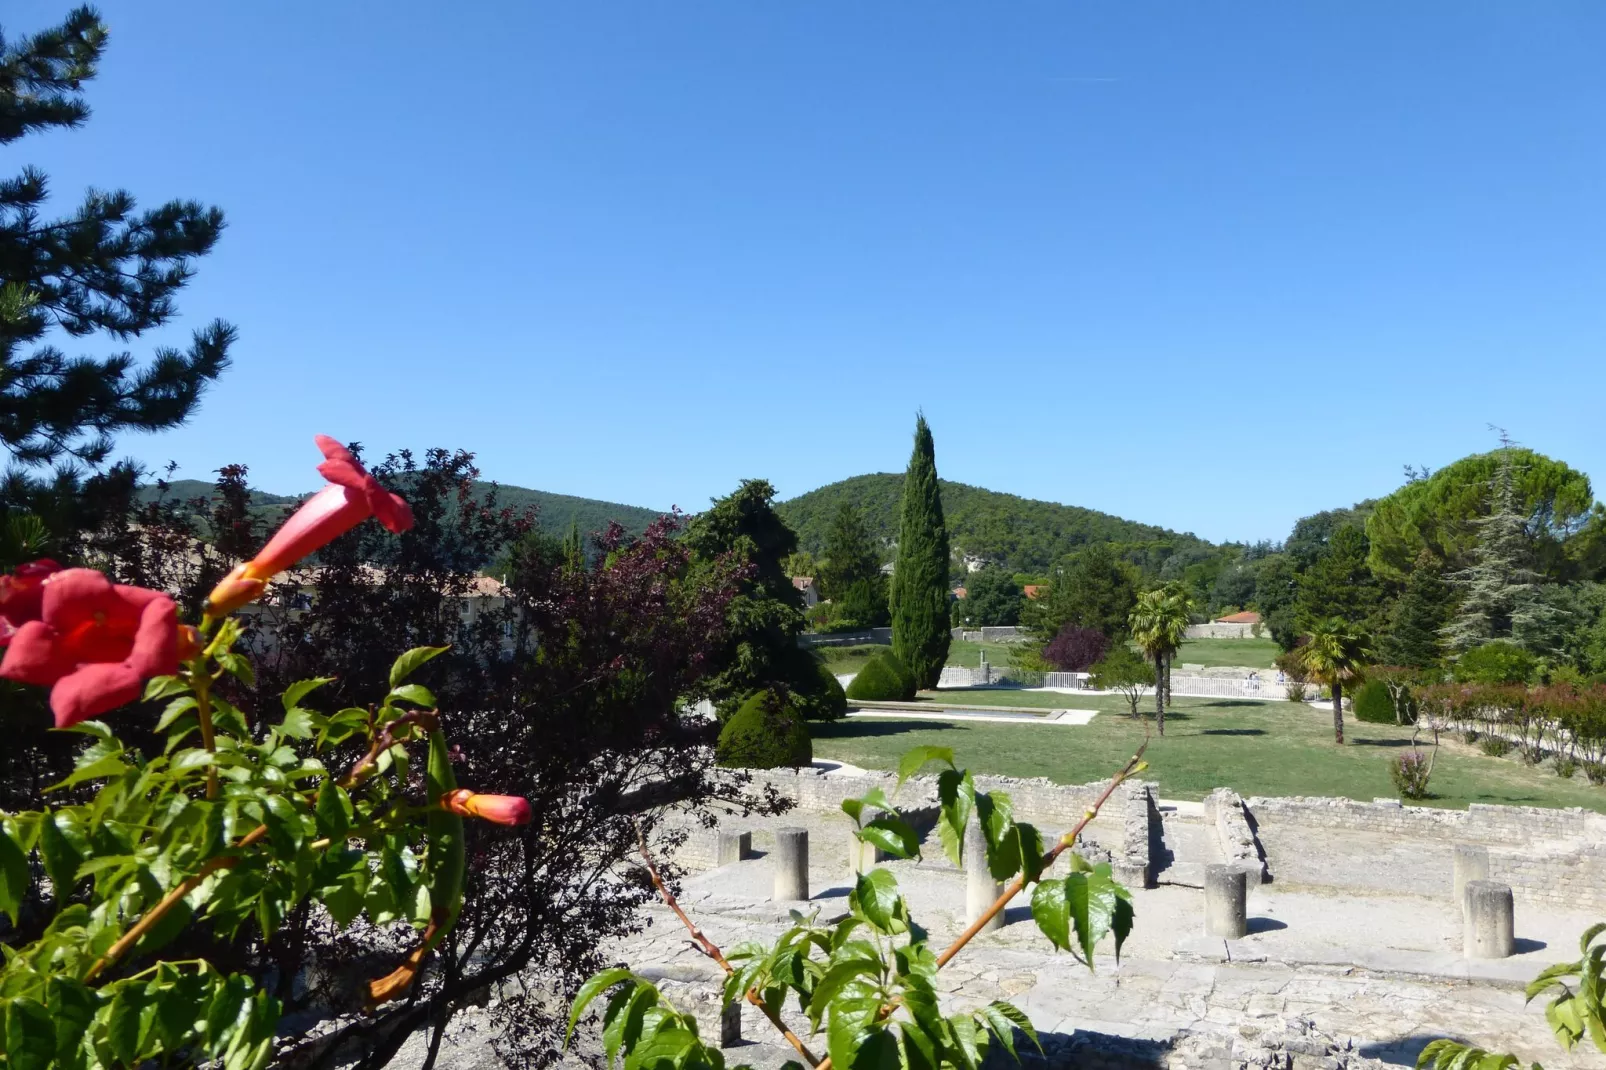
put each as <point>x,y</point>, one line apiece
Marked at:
<point>1158,623</point>
<point>1334,655</point>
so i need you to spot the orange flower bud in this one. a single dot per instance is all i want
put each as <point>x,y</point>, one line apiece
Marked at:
<point>501,809</point>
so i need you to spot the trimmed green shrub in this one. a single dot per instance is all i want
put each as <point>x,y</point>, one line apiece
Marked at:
<point>883,679</point>
<point>1499,662</point>
<point>764,733</point>
<point>816,692</point>
<point>1374,704</point>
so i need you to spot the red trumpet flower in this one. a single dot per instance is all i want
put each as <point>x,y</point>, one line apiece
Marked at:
<point>502,809</point>
<point>21,595</point>
<point>351,497</point>
<point>95,644</point>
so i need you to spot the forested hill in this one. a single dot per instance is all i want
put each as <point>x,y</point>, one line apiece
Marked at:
<point>1022,534</point>
<point>557,511</point>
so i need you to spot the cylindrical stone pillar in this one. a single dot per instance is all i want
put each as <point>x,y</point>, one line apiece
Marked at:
<point>862,857</point>
<point>734,846</point>
<point>1226,902</point>
<point>1488,931</point>
<point>1471,864</point>
<point>791,865</point>
<point>981,891</point>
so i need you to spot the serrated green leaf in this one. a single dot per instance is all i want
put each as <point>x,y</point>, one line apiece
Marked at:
<point>63,848</point>
<point>1052,912</point>
<point>956,795</point>
<point>300,723</point>
<point>914,760</point>
<point>1091,898</point>
<point>594,986</point>
<point>876,895</point>
<point>175,709</point>
<point>893,835</point>
<point>238,667</point>
<point>966,1043</point>
<point>334,810</point>
<point>1029,847</point>
<point>417,694</point>
<point>13,877</point>
<point>29,1034</point>
<point>160,687</point>
<point>301,689</point>
<point>409,662</point>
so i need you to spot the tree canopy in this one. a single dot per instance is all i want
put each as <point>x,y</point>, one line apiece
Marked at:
<point>1438,515</point>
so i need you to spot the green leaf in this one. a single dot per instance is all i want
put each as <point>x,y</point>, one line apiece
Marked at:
<point>124,1022</point>
<point>13,877</point>
<point>854,808</point>
<point>28,1033</point>
<point>286,824</point>
<point>409,662</point>
<point>893,835</point>
<point>101,768</point>
<point>300,723</point>
<point>876,896</point>
<point>238,667</point>
<point>956,792</point>
<point>160,687</point>
<point>913,761</point>
<point>417,694</point>
<point>301,689</point>
<point>63,847</point>
<point>965,1041</point>
<point>1092,900</point>
<point>1013,1015</point>
<point>334,810</point>
<point>920,1051</point>
<point>175,709</point>
<point>1052,912</point>
<point>1029,846</point>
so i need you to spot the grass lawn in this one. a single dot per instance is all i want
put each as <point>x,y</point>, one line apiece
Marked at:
<point>1256,748</point>
<point>1253,653</point>
<point>846,659</point>
<point>968,655</point>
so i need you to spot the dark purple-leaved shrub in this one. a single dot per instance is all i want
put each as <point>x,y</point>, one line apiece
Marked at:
<point>1075,649</point>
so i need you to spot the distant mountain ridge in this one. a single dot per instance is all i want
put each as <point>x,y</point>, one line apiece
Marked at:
<point>1023,534</point>
<point>556,511</point>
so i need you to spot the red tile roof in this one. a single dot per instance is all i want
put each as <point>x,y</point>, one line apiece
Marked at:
<point>1248,616</point>
<point>1035,590</point>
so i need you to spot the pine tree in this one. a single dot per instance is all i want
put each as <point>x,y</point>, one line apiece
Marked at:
<point>850,554</point>
<point>1338,583</point>
<point>919,600</point>
<point>1500,592</point>
<point>1423,609</point>
<point>107,268</point>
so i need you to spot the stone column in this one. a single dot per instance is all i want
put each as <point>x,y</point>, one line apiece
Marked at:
<point>1471,864</point>
<point>791,865</point>
<point>1487,925</point>
<point>862,857</point>
<point>981,891</point>
<point>1226,902</point>
<point>734,846</point>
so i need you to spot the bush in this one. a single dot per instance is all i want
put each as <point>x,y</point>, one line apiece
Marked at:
<point>1075,648</point>
<point>883,679</point>
<point>1374,704</point>
<point>1499,662</point>
<point>1495,746</point>
<point>1596,772</point>
<point>1295,690</point>
<point>816,693</point>
<point>1410,772</point>
<point>1566,766</point>
<point>765,733</point>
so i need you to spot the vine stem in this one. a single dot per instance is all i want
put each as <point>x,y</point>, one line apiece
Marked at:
<point>711,949</point>
<point>201,682</point>
<point>168,901</point>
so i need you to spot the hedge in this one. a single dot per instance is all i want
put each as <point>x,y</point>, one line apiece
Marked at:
<point>1374,705</point>
<point>766,732</point>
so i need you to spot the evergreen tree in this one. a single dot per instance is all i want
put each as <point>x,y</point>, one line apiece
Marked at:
<point>106,268</point>
<point>1096,589</point>
<point>919,599</point>
<point>1423,609</point>
<point>1338,583</point>
<point>765,617</point>
<point>992,599</point>
<point>850,553</point>
<point>1500,592</point>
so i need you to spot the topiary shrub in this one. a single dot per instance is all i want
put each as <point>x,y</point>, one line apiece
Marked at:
<point>1374,705</point>
<point>816,692</point>
<point>883,679</point>
<point>765,732</point>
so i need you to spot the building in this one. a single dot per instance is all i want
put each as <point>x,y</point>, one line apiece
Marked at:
<point>1035,590</point>
<point>807,587</point>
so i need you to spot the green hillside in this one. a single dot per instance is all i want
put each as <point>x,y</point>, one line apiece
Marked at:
<point>1022,534</point>
<point>557,511</point>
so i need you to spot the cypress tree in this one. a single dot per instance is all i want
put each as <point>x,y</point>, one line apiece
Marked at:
<point>919,601</point>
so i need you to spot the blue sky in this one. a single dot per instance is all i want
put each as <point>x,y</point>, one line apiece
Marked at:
<point>1213,266</point>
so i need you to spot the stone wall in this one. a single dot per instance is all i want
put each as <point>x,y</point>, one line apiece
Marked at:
<point>1224,813</point>
<point>1548,856</point>
<point>1219,631</point>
